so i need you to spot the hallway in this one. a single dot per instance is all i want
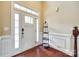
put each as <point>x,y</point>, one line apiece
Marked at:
<point>40,51</point>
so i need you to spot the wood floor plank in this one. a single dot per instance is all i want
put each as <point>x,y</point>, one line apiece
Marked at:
<point>40,51</point>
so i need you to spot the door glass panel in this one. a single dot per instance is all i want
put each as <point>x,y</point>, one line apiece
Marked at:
<point>16,23</point>
<point>16,30</point>
<point>29,19</point>
<point>37,31</point>
<point>26,19</point>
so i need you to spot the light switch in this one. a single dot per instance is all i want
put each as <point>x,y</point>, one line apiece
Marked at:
<point>6,28</point>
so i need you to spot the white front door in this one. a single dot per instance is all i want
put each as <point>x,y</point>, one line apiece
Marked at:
<point>25,30</point>
<point>28,38</point>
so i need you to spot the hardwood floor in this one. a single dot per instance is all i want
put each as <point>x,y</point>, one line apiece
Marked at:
<point>40,51</point>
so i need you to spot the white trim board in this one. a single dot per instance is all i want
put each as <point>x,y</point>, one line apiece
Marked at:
<point>58,40</point>
<point>4,36</point>
<point>62,50</point>
<point>60,34</point>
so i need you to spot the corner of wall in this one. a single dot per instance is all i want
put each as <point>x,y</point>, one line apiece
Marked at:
<point>0,21</point>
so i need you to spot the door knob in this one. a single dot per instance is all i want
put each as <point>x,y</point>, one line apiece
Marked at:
<point>22,32</point>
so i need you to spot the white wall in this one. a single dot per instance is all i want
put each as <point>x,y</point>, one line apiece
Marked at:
<point>7,47</point>
<point>61,42</point>
<point>62,22</point>
<point>0,47</point>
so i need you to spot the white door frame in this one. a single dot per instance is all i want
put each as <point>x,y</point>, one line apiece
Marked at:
<point>12,22</point>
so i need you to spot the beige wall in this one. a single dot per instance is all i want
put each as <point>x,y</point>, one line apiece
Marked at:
<point>0,19</point>
<point>5,18</point>
<point>64,20</point>
<point>37,6</point>
<point>5,12</point>
<point>60,22</point>
<point>42,16</point>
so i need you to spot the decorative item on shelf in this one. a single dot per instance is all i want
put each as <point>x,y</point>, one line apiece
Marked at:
<point>45,35</point>
<point>57,9</point>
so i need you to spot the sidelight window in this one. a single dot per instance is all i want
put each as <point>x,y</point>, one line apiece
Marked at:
<point>16,30</point>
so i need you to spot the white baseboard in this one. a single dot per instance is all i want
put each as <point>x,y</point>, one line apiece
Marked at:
<point>36,44</point>
<point>61,49</point>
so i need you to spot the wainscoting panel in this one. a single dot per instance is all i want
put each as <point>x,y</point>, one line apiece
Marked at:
<point>7,46</point>
<point>58,41</point>
<point>61,42</point>
<point>0,47</point>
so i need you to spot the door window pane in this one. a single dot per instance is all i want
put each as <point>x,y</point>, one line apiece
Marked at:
<point>26,19</point>
<point>16,30</point>
<point>37,31</point>
<point>16,24</point>
<point>29,19</point>
<point>16,16</point>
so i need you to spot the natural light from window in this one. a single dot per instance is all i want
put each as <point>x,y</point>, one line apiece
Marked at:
<point>16,30</point>
<point>25,9</point>
<point>29,19</point>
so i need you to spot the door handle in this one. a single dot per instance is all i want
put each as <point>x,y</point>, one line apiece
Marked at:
<point>22,32</point>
